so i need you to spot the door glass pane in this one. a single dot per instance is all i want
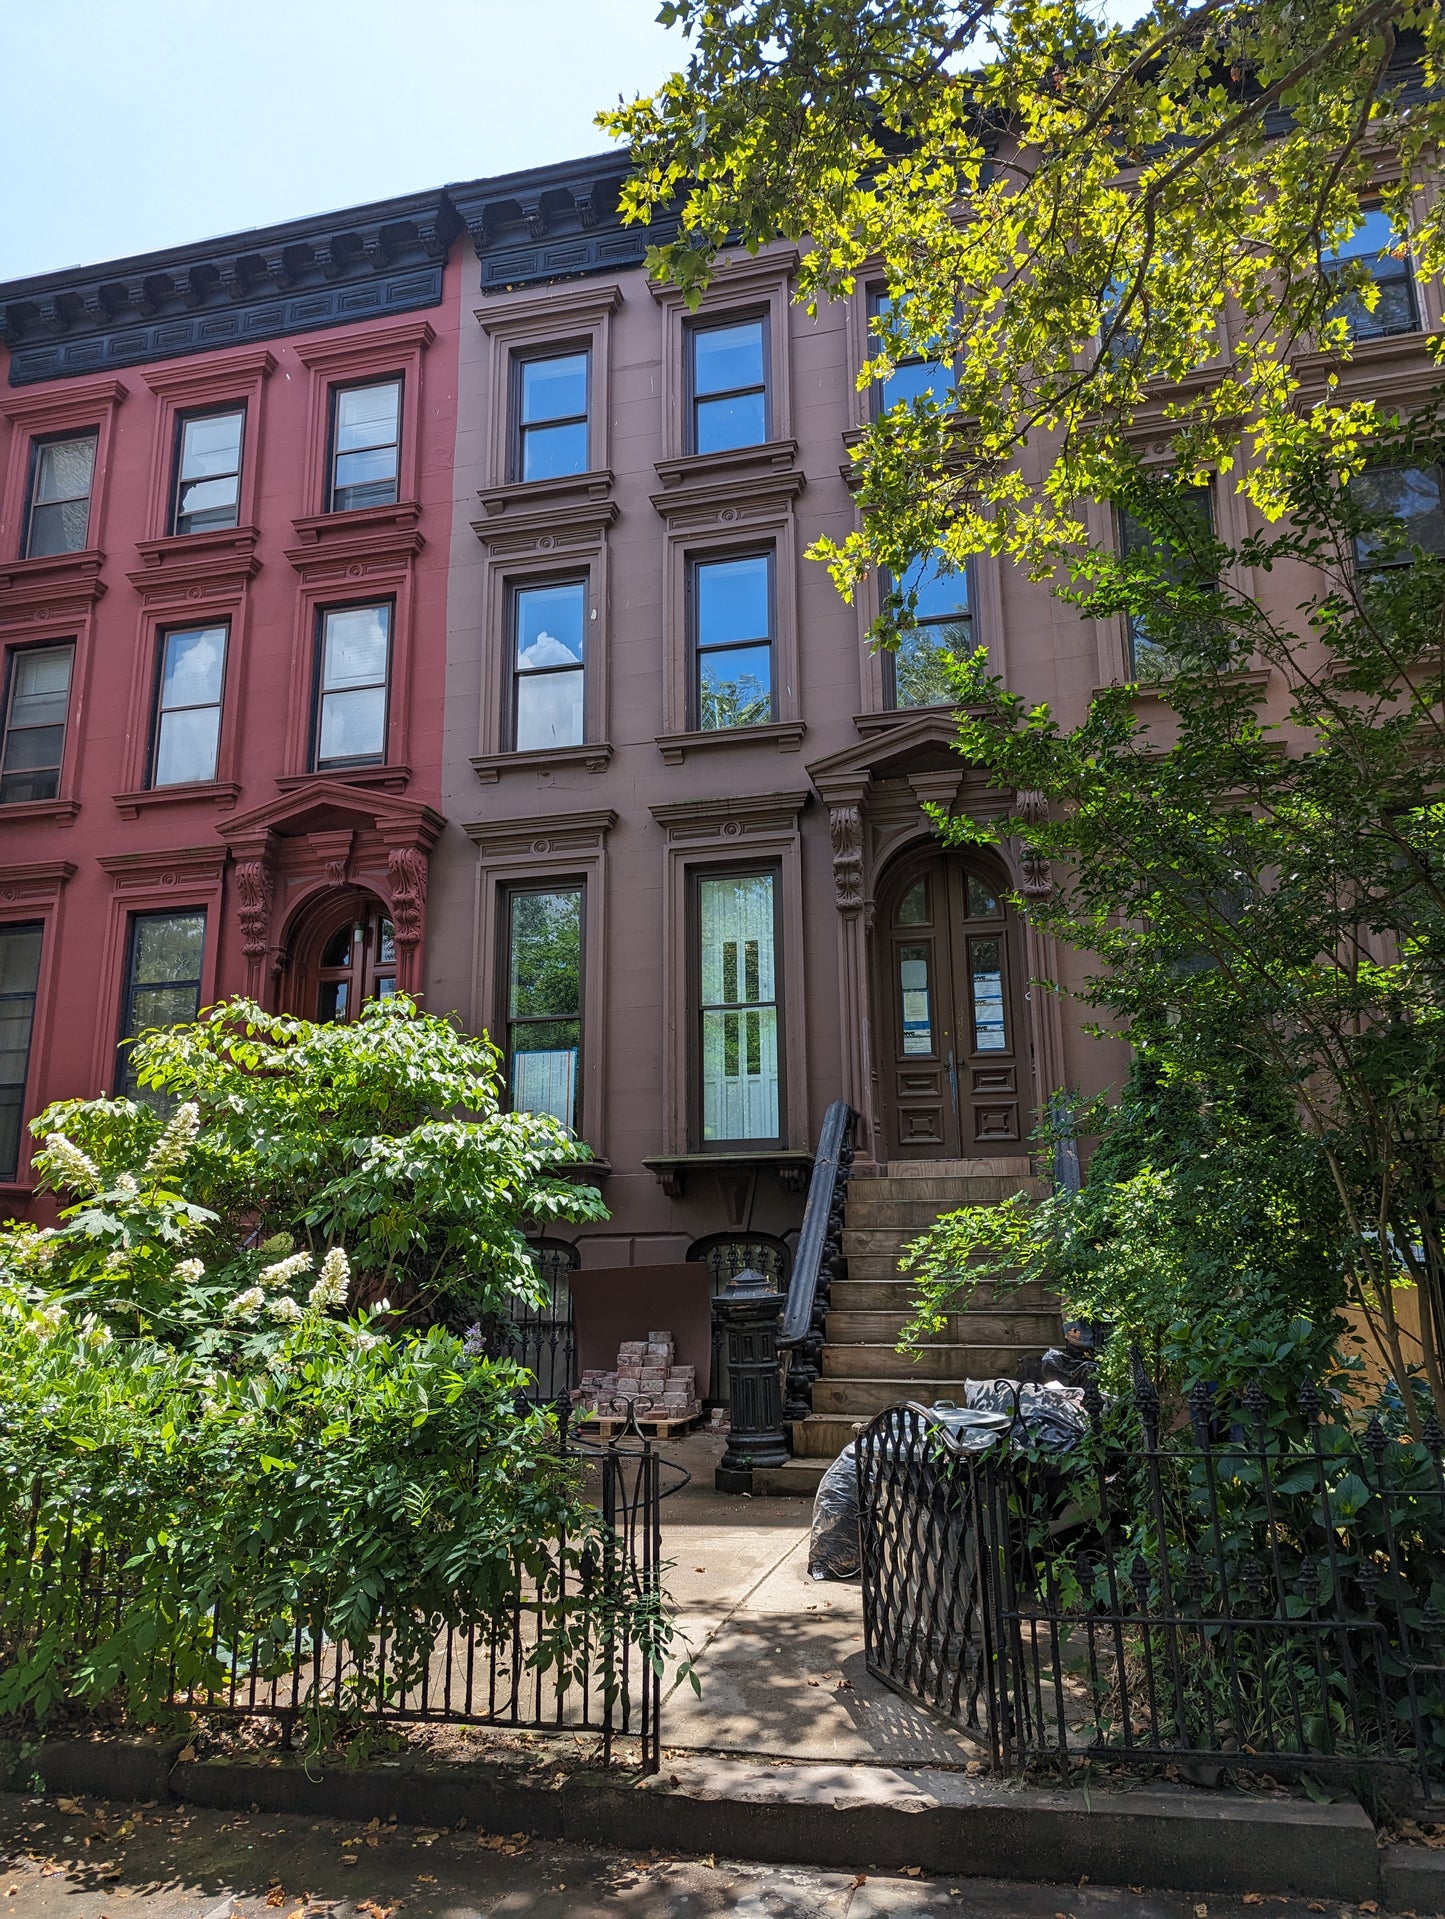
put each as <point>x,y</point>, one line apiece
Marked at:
<point>915,999</point>
<point>913,909</point>
<point>982,901</point>
<point>331,1001</point>
<point>739,1011</point>
<point>985,968</point>
<point>386,944</point>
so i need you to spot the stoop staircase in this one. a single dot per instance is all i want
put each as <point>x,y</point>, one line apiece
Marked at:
<point>862,1374</point>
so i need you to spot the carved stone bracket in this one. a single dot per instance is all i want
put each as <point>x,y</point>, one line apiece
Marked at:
<point>255,891</point>
<point>845,827</point>
<point>406,874</point>
<point>1036,874</point>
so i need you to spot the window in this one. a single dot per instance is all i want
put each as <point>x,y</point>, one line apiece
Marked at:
<point>729,385</point>
<point>918,670</point>
<point>732,615</point>
<point>1380,249</point>
<point>351,691</point>
<point>162,980</point>
<point>919,376</point>
<point>1177,559</point>
<point>549,625</point>
<point>61,472</point>
<point>208,470</point>
<point>1404,504</point>
<point>550,408</point>
<point>188,705</point>
<point>543,992</point>
<point>738,1008</point>
<point>356,963</point>
<point>365,445</point>
<point>19,978</point>
<point>35,708</point>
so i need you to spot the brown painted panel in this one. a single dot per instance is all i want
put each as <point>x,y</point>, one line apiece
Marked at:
<point>613,1303</point>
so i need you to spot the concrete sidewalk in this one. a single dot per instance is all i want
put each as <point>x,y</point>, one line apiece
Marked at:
<point>779,1656</point>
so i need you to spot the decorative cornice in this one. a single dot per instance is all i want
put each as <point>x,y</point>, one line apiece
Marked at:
<point>786,735</point>
<point>731,817</point>
<point>34,882</point>
<point>574,511</point>
<point>594,756</point>
<point>557,307</point>
<point>551,223</point>
<point>724,488</point>
<point>392,777</point>
<point>218,562</point>
<point>182,865</point>
<point>330,270</point>
<point>54,588</point>
<point>221,370</point>
<point>551,833</point>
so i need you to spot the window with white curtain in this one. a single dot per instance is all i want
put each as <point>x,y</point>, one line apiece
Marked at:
<point>738,1007</point>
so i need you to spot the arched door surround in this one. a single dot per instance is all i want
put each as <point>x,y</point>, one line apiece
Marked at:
<point>342,954</point>
<point>953,1050</point>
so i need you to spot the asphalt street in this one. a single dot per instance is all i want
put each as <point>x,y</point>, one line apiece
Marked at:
<point>63,1858</point>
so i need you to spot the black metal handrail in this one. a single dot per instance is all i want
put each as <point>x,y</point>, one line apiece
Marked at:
<point>819,1246</point>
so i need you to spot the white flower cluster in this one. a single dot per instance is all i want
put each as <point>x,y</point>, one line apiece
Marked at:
<point>125,1185</point>
<point>48,1319</point>
<point>330,1289</point>
<point>190,1271</point>
<point>283,1308</point>
<point>116,1262</point>
<point>172,1148</point>
<point>74,1167</point>
<point>285,1270</point>
<point>246,1304</point>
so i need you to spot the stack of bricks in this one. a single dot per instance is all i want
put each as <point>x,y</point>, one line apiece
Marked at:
<point>648,1376</point>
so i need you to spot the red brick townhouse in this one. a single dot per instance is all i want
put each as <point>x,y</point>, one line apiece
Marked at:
<point>225,509</point>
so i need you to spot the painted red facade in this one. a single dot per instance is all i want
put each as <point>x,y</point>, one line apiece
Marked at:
<point>274,849</point>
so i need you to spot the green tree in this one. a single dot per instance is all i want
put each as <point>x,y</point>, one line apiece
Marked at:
<point>1068,213</point>
<point>385,1135</point>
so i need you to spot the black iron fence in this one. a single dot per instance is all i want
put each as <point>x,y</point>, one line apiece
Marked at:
<point>541,1334</point>
<point>569,1637</point>
<point>1260,1588</point>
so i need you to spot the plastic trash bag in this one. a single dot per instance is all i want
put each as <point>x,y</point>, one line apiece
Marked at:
<point>834,1550</point>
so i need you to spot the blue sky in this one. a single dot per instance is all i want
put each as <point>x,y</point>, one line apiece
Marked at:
<point>149,123</point>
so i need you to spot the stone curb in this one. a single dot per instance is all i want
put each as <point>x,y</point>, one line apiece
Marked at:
<point>839,1816</point>
<point>1412,1879</point>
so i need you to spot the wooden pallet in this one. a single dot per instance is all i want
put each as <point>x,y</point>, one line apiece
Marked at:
<point>653,1428</point>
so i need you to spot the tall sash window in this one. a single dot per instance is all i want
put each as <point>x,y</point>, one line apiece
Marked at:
<point>738,1007</point>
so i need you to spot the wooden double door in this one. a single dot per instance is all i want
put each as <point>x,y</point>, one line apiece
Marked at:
<point>953,1059</point>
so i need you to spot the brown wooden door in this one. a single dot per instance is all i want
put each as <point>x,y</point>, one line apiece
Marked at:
<point>346,963</point>
<point>953,1046</point>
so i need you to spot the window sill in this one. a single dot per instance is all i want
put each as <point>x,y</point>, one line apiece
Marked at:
<point>763,475</point>
<point>17,1189</point>
<point>364,533</point>
<point>219,793</point>
<point>489,767</point>
<point>792,1166</point>
<point>1256,676</point>
<point>392,779</point>
<point>773,456</point>
<point>786,735</point>
<point>61,811</point>
<point>565,489</point>
<point>215,544</point>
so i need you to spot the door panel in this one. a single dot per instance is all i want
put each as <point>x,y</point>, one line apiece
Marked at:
<point>946,947</point>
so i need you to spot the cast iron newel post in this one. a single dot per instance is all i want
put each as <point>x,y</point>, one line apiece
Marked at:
<point>750,1311</point>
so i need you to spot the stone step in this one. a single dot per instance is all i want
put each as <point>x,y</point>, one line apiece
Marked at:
<point>874,1242</point>
<point>877,1364</point>
<point>822,1436</point>
<point>887,1291</point>
<point>1001,1166</point>
<point>797,1480</point>
<point>943,1189</point>
<point>943,1196</point>
<point>861,1399</point>
<point>907,1217</point>
<point>983,1328</point>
